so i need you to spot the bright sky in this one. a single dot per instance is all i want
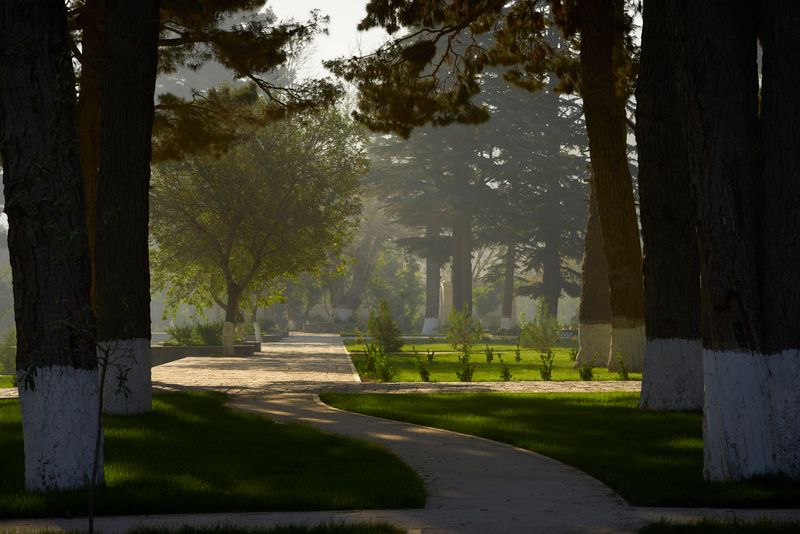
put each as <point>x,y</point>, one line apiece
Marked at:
<point>343,38</point>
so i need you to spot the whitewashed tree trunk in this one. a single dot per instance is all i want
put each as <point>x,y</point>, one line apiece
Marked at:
<point>672,378</point>
<point>342,314</point>
<point>594,342</point>
<point>228,338</point>
<point>507,323</point>
<point>128,387</point>
<point>257,331</point>
<point>629,342</point>
<point>751,425</point>
<point>59,426</point>
<point>430,326</point>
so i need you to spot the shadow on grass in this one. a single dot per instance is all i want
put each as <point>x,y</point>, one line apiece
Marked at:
<point>649,458</point>
<point>193,454</point>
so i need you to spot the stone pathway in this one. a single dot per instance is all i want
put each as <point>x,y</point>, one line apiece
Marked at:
<point>474,485</point>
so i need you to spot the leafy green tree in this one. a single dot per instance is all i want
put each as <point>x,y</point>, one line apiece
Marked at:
<point>463,331</point>
<point>396,280</point>
<point>226,229</point>
<point>383,329</point>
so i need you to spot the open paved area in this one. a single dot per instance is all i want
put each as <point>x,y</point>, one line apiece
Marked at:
<point>474,485</point>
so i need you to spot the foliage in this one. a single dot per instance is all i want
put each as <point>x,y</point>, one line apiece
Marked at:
<point>209,333</point>
<point>517,354</point>
<point>546,370</point>
<point>383,329</point>
<point>465,369</point>
<point>505,370</point>
<point>585,370</point>
<point>384,370</point>
<point>8,353</point>
<point>395,279</point>
<point>165,476</point>
<point>422,368</point>
<point>489,353</point>
<point>430,354</point>
<point>584,430</point>
<point>463,330</point>
<point>183,334</point>
<point>227,229</point>
<point>573,354</point>
<point>371,353</point>
<point>542,332</point>
<point>622,369</point>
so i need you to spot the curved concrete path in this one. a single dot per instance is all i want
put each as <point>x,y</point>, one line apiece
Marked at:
<point>474,485</point>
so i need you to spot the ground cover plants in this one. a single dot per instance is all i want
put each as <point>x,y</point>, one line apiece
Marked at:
<point>649,458</point>
<point>208,333</point>
<point>444,365</point>
<point>6,381</point>
<point>193,454</point>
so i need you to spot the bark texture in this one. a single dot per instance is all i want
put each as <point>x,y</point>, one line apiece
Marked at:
<point>122,276</point>
<point>602,32</point>
<point>671,266</point>
<point>594,330</point>
<point>47,242</point>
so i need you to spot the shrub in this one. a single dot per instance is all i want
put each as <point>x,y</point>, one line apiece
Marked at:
<point>622,369</point>
<point>542,332</point>
<point>573,355</point>
<point>383,329</point>
<point>517,354</point>
<point>489,352</point>
<point>505,370</point>
<point>182,334</point>
<point>8,354</point>
<point>463,331</point>
<point>430,353</point>
<point>422,369</point>
<point>466,369</point>
<point>209,333</point>
<point>546,370</point>
<point>372,351</point>
<point>383,369</point>
<point>585,369</point>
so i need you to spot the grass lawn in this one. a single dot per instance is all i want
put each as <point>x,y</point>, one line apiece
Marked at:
<point>193,454</point>
<point>5,381</point>
<point>712,526</point>
<point>445,363</point>
<point>357,528</point>
<point>650,458</point>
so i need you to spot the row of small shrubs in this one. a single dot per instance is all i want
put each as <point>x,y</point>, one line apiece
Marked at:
<point>208,333</point>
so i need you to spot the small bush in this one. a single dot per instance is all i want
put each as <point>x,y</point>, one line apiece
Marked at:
<point>422,368</point>
<point>463,331</point>
<point>517,354</point>
<point>466,369</point>
<point>383,329</point>
<point>383,369</point>
<point>8,353</point>
<point>622,369</point>
<point>505,370</point>
<point>573,355</point>
<point>542,332</point>
<point>430,354</point>
<point>372,351</point>
<point>182,334</point>
<point>489,352</point>
<point>585,369</point>
<point>209,333</point>
<point>546,370</point>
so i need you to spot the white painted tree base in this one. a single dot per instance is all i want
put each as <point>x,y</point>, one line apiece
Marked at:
<point>128,388</point>
<point>594,343</point>
<point>228,338</point>
<point>342,314</point>
<point>751,425</point>
<point>59,427</point>
<point>430,326</point>
<point>672,378</point>
<point>630,343</point>
<point>257,332</point>
<point>506,323</point>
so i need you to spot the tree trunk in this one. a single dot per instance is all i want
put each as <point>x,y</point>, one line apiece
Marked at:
<point>462,263</point>
<point>122,276</point>
<point>432,282</point>
<point>56,351</point>
<point>234,293</point>
<point>551,271</point>
<point>507,321</point>
<point>673,366</point>
<point>594,328</point>
<point>93,43</point>
<point>602,32</point>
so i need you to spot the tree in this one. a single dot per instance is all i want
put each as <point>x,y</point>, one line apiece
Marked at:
<point>673,366</point>
<point>429,75</point>
<point>56,350</point>
<point>743,168</point>
<point>281,203</point>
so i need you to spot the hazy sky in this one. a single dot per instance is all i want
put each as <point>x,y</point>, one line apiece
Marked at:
<point>343,40</point>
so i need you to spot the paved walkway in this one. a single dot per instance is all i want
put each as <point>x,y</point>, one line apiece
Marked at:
<point>474,485</point>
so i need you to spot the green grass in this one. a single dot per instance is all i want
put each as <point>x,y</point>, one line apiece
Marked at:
<point>714,526</point>
<point>5,381</point>
<point>193,454</point>
<point>650,458</point>
<point>445,363</point>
